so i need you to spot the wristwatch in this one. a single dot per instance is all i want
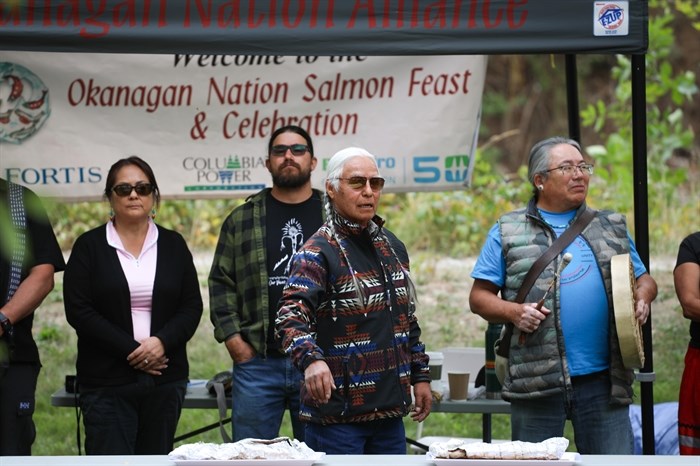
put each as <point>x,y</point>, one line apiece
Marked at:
<point>7,327</point>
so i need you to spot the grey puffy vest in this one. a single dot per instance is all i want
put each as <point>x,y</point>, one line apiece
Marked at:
<point>538,366</point>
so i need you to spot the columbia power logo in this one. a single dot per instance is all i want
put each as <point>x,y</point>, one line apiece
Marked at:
<point>228,173</point>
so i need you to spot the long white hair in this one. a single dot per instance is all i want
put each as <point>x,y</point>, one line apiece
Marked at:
<point>340,158</point>
<point>333,174</point>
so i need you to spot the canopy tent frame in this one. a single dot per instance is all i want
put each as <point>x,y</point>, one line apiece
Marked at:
<point>386,27</point>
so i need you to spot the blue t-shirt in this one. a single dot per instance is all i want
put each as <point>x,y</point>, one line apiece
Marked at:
<point>584,303</point>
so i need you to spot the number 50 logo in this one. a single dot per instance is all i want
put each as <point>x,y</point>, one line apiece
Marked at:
<point>454,167</point>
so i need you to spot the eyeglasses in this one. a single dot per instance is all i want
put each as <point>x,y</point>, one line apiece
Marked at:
<point>376,183</point>
<point>142,189</point>
<point>584,168</point>
<point>297,149</point>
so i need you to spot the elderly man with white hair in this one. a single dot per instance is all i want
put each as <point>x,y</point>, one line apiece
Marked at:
<point>347,318</point>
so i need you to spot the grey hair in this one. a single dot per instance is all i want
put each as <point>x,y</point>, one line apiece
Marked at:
<point>540,154</point>
<point>333,174</point>
<point>340,158</point>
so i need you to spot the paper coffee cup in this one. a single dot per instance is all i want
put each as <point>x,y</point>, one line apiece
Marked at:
<point>459,385</point>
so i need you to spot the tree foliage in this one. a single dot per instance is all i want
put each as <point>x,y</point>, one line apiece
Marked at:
<point>673,191</point>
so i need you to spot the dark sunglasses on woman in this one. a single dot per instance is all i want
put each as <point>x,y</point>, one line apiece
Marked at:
<point>142,189</point>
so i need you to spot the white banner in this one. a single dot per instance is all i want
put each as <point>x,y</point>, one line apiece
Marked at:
<point>203,121</point>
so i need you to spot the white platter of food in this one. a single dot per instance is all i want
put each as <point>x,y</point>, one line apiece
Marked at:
<point>281,451</point>
<point>567,459</point>
<point>251,462</point>
<point>458,451</point>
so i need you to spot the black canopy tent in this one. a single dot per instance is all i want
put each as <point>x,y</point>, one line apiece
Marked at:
<point>364,27</point>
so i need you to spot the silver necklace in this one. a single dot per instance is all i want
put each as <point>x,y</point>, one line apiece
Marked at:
<point>556,227</point>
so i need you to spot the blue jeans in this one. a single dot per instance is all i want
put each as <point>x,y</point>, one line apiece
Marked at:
<point>599,428</point>
<point>262,389</point>
<point>381,437</point>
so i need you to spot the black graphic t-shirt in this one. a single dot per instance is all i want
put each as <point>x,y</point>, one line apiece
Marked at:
<point>288,227</point>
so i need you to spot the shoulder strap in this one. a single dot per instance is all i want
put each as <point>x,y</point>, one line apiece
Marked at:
<point>557,247</point>
<point>19,224</point>
<point>553,251</point>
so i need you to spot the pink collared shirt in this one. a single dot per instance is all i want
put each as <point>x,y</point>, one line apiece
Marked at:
<point>140,274</point>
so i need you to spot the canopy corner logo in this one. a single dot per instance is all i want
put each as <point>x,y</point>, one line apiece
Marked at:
<point>611,19</point>
<point>24,103</point>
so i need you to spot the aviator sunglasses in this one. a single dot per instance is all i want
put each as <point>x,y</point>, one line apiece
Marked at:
<point>297,149</point>
<point>142,189</point>
<point>376,183</point>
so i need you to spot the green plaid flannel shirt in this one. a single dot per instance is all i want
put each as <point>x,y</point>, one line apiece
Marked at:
<point>238,280</point>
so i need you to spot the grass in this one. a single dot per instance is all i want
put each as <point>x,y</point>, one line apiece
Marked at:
<point>443,286</point>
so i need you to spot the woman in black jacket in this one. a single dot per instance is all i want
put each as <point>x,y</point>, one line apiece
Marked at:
<point>131,292</point>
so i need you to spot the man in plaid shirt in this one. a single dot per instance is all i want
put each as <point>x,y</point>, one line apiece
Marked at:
<point>250,268</point>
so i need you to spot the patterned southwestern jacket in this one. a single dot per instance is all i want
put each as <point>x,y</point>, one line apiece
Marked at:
<point>373,348</point>
<point>538,366</point>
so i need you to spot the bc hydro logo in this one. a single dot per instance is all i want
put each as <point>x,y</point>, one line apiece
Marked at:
<point>434,169</point>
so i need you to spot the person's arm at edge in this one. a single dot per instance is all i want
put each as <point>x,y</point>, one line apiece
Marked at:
<point>644,293</point>
<point>686,278</point>
<point>30,293</point>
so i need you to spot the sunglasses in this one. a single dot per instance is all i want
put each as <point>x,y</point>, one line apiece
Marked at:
<point>376,183</point>
<point>297,149</point>
<point>142,189</point>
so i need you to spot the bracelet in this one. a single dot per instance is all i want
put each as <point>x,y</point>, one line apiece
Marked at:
<point>7,327</point>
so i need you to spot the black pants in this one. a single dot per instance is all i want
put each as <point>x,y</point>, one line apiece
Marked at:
<point>135,419</point>
<point>17,398</point>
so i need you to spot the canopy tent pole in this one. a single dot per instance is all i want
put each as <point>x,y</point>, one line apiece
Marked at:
<point>572,98</point>
<point>646,375</point>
